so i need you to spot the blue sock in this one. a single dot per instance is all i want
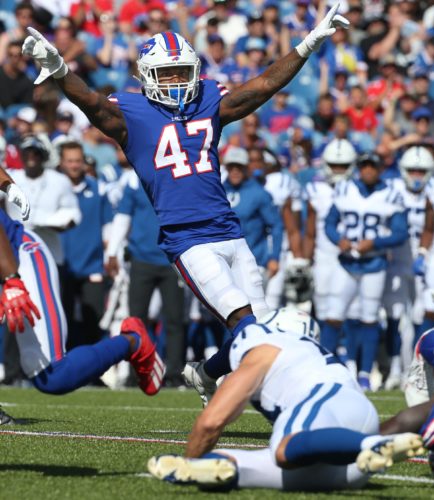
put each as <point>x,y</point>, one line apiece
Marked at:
<point>370,338</point>
<point>81,365</point>
<point>350,328</point>
<point>330,337</point>
<point>250,319</point>
<point>426,347</point>
<point>218,365</point>
<point>393,337</point>
<point>335,446</point>
<point>426,325</point>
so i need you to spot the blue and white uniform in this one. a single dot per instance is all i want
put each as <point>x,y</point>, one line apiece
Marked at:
<point>176,159</point>
<point>306,388</point>
<point>359,213</point>
<point>281,186</point>
<point>404,291</point>
<point>45,342</point>
<point>320,196</point>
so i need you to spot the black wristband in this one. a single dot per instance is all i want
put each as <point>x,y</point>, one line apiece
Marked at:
<point>9,277</point>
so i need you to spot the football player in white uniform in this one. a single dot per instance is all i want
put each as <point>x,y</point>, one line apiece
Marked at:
<point>424,262</point>
<point>323,425</point>
<point>403,292</point>
<point>366,219</point>
<point>339,160</point>
<point>286,193</point>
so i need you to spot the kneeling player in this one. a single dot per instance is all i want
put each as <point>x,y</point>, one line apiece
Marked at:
<point>323,425</point>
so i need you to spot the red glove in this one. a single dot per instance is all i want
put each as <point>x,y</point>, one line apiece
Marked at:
<point>16,305</point>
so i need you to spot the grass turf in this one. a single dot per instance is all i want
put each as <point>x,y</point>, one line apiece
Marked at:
<point>70,462</point>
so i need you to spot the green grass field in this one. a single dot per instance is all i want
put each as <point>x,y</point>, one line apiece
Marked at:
<point>94,444</point>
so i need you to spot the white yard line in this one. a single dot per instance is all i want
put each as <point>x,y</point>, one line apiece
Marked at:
<point>70,435</point>
<point>123,408</point>
<point>410,479</point>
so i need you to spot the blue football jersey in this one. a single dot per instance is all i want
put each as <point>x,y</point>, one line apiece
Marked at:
<point>13,229</point>
<point>177,160</point>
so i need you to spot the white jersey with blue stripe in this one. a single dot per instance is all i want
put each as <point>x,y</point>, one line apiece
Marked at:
<point>298,368</point>
<point>415,204</point>
<point>320,195</point>
<point>366,217</point>
<point>282,186</point>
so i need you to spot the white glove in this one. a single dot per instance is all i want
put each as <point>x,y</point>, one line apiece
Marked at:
<point>324,29</point>
<point>18,198</point>
<point>38,47</point>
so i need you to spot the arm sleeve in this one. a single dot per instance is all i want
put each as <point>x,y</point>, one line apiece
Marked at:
<point>119,230</point>
<point>331,225</point>
<point>398,232</point>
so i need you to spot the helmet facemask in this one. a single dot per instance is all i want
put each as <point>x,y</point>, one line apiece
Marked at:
<point>414,182</point>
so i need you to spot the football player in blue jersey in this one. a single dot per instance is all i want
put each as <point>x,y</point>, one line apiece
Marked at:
<point>367,218</point>
<point>170,133</point>
<point>30,303</point>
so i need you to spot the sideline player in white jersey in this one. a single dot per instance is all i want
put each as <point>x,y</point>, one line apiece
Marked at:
<point>403,292</point>
<point>324,427</point>
<point>424,263</point>
<point>30,303</point>
<point>286,193</point>
<point>367,218</point>
<point>339,158</point>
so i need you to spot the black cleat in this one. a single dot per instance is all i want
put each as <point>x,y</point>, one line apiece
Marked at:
<point>5,419</point>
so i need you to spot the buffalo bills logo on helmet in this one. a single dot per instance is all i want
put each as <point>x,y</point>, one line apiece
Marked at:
<point>149,45</point>
<point>30,246</point>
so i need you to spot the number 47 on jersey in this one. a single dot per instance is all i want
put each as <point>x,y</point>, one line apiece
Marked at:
<point>169,152</point>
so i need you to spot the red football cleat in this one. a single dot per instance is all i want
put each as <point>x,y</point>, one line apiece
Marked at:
<point>146,362</point>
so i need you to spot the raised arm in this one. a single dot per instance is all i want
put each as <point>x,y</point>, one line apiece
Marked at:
<point>100,111</point>
<point>250,96</point>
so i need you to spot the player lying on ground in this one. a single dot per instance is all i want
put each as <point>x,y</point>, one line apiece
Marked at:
<point>170,134</point>
<point>324,427</point>
<point>30,303</point>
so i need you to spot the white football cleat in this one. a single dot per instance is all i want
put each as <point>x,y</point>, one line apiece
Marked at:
<point>392,382</point>
<point>389,451</point>
<point>201,471</point>
<point>195,376</point>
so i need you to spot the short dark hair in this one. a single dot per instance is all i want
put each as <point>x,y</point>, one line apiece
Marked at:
<point>71,145</point>
<point>24,6</point>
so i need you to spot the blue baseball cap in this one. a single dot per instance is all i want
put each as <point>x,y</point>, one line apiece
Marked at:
<point>421,112</point>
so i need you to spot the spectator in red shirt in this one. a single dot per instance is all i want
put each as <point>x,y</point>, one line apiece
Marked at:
<point>134,8</point>
<point>361,114</point>
<point>86,14</point>
<point>381,91</point>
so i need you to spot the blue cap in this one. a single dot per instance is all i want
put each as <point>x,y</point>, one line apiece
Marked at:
<point>255,43</point>
<point>421,112</point>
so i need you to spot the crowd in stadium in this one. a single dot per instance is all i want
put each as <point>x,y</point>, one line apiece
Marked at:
<point>368,90</point>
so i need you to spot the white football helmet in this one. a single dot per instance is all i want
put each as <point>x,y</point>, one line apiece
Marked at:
<point>164,50</point>
<point>293,321</point>
<point>416,158</point>
<point>339,152</point>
